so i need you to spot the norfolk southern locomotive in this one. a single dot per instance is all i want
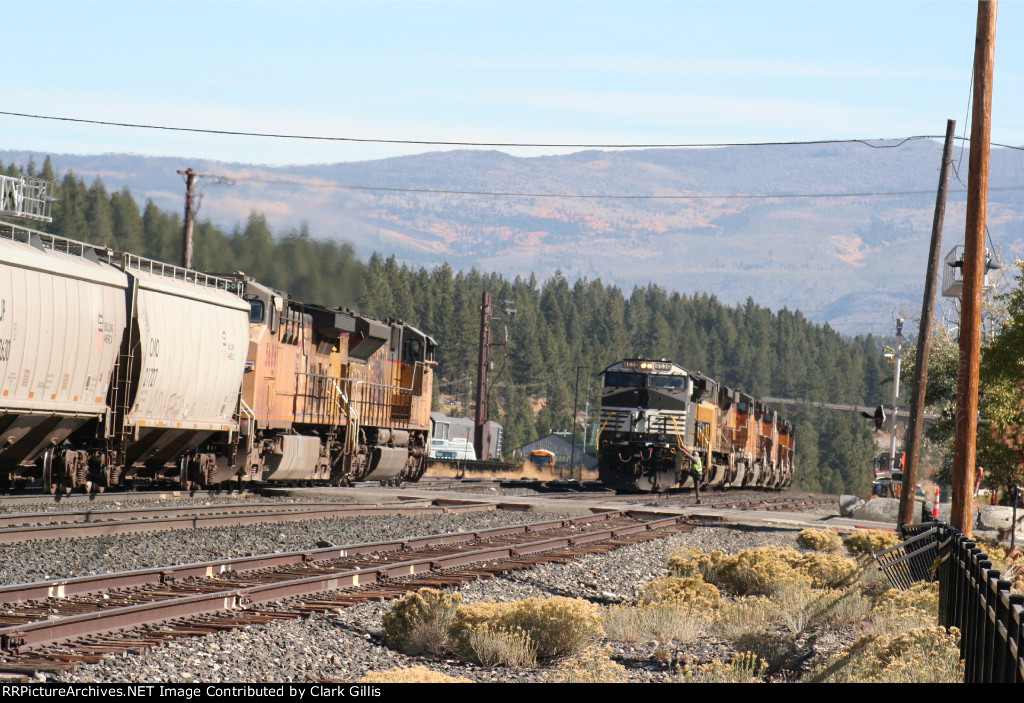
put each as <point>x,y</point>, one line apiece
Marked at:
<point>654,412</point>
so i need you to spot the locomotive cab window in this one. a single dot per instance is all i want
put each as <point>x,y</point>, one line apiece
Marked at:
<point>412,350</point>
<point>256,311</point>
<point>667,381</point>
<point>618,379</point>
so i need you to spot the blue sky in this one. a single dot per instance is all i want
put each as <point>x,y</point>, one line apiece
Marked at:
<point>572,72</point>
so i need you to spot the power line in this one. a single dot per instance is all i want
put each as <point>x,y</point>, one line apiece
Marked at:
<point>436,142</point>
<point>600,196</point>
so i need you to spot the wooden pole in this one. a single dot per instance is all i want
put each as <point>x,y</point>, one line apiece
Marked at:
<point>186,234</point>
<point>965,449</point>
<point>915,426</point>
<point>482,436</point>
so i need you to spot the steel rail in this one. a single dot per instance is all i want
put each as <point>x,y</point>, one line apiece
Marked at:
<point>82,585</point>
<point>13,535</point>
<point>103,514</point>
<point>47,631</point>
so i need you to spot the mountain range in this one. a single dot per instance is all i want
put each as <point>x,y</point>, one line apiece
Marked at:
<point>839,231</point>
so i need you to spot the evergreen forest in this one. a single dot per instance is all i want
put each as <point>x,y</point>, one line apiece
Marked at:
<point>551,339</point>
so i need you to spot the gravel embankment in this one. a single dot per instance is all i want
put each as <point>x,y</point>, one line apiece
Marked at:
<point>346,644</point>
<point>41,561</point>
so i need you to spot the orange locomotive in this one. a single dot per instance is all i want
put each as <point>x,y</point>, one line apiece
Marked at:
<point>329,395</point>
<point>653,413</point>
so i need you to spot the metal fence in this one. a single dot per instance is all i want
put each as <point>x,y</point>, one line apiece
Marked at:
<point>972,597</point>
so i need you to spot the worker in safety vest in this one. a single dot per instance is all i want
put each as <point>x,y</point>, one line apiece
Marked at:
<point>696,472</point>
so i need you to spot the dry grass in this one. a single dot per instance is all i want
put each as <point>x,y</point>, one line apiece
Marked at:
<point>494,647</point>
<point>743,668</point>
<point>663,623</point>
<point>593,665</point>
<point>412,674</point>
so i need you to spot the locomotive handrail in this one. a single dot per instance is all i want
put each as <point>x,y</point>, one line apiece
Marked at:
<point>250,415</point>
<point>351,436</point>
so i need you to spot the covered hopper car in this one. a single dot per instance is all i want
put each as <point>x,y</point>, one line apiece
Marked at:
<point>655,413</point>
<point>118,369</point>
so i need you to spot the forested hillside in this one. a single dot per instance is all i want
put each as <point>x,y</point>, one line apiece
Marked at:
<point>560,330</point>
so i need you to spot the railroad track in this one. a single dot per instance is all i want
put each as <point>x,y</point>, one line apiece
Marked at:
<point>53,625</point>
<point>24,527</point>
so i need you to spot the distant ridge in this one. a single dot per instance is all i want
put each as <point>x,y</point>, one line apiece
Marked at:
<point>847,260</point>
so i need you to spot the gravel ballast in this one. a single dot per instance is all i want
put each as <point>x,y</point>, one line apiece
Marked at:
<point>346,644</point>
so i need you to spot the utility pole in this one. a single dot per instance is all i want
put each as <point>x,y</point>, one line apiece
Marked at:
<point>965,448</point>
<point>482,438</point>
<point>575,408</point>
<point>915,426</point>
<point>186,235</point>
<point>896,393</point>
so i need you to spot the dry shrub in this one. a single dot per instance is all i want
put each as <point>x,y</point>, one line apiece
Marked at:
<point>995,552</point>
<point>745,616</point>
<point>915,608</point>
<point>774,649</point>
<point>592,665</point>
<point>690,593</point>
<point>827,570</point>
<point>512,648</point>
<point>797,606</point>
<point>1015,575</point>
<point>866,543</point>
<point>1007,561</point>
<point>820,540</point>
<point>664,623</point>
<point>420,622</point>
<point>414,674</point>
<point>744,668</point>
<point>921,655</point>
<point>469,618</point>
<point>687,562</point>
<point>559,626</point>
<point>923,595</point>
<point>839,609</point>
<point>755,571</point>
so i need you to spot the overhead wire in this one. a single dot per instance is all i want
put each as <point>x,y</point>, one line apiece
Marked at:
<point>600,196</point>
<point>440,142</point>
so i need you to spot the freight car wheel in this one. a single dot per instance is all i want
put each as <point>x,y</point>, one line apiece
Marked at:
<point>48,483</point>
